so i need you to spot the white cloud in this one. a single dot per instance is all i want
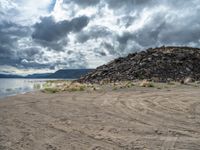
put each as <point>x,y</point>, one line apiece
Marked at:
<point>24,12</point>
<point>59,12</point>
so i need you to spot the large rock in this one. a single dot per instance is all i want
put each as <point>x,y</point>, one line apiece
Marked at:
<point>159,64</point>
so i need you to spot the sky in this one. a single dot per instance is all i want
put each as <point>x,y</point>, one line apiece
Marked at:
<point>38,36</point>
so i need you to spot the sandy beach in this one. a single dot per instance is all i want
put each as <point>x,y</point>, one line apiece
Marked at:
<point>125,119</point>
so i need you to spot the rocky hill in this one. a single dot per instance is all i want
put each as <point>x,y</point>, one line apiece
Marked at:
<point>160,64</point>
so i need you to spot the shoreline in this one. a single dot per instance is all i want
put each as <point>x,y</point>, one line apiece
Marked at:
<point>18,94</point>
<point>14,86</point>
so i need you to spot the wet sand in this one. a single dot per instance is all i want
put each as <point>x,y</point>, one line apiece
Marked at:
<point>126,119</point>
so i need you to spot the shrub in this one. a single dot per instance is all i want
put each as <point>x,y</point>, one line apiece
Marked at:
<point>51,90</point>
<point>146,83</point>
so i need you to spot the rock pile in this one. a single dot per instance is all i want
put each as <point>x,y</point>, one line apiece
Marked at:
<point>160,64</point>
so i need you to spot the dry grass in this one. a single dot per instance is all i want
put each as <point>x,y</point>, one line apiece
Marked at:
<point>146,83</point>
<point>61,86</point>
<point>70,86</point>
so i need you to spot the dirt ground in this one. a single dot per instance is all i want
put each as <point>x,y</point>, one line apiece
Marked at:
<point>125,119</point>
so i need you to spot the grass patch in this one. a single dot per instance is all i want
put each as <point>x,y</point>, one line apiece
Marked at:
<point>129,85</point>
<point>47,84</point>
<point>70,86</point>
<point>51,90</point>
<point>61,86</point>
<point>76,88</point>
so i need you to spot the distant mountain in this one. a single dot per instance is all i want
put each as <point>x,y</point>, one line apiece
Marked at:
<point>41,75</point>
<point>60,74</point>
<point>10,76</point>
<point>70,73</point>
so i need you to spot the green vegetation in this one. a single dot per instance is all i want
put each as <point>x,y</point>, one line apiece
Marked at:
<point>51,90</point>
<point>47,84</point>
<point>129,84</point>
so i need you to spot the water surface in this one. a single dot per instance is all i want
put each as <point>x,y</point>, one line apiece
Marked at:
<point>9,87</point>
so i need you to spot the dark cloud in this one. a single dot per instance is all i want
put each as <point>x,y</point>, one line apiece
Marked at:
<point>111,3</point>
<point>6,55</point>
<point>95,32</point>
<point>180,37</point>
<point>10,33</point>
<point>56,45</point>
<point>109,47</point>
<point>30,54</point>
<point>75,60</point>
<point>83,2</point>
<point>49,30</point>
<point>161,31</point>
<point>77,24</point>
<point>53,34</point>
<point>182,33</point>
<point>127,3</point>
<point>123,39</point>
<point>10,52</point>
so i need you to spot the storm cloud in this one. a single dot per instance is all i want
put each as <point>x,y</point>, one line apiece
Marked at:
<point>83,2</point>
<point>10,33</point>
<point>49,30</point>
<point>87,33</point>
<point>53,34</point>
<point>94,32</point>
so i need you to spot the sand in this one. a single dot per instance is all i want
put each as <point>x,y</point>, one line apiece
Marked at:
<point>126,119</point>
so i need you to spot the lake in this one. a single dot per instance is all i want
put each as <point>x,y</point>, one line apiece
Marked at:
<point>10,87</point>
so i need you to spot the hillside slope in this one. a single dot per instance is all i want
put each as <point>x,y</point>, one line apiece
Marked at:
<point>159,64</point>
<point>70,73</point>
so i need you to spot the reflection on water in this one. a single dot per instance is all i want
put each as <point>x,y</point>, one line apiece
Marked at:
<point>10,87</point>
